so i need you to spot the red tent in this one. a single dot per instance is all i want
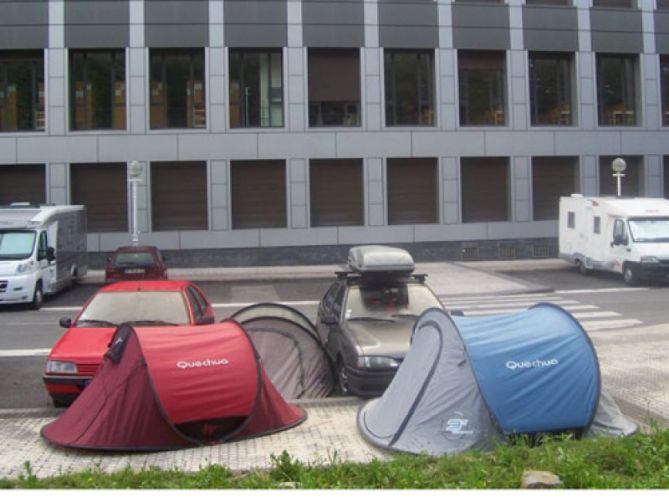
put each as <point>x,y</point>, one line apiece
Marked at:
<point>161,388</point>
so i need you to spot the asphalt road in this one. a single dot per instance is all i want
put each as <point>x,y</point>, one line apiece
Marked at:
<point>36,331</point>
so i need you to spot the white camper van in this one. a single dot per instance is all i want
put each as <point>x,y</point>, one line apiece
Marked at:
<point>629,236</point>
<point>42,250</point>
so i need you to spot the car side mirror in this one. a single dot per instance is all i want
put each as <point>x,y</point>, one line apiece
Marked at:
<point>329,319</point>
<point>65,322</point>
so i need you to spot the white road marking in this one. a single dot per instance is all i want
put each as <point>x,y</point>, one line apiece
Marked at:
<point>301,303</point>
<point>24,352</point>
<point>602,290</point>
<point>613,324</point>
<point>479,305</point>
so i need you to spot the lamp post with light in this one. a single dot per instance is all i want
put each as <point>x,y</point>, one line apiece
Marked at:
<point>618,165</point>
<point>135,174</point>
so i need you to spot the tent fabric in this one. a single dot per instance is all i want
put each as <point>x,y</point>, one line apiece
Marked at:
<point>162,388</point>
<point>291,353</point>
<point>471,382</point>
<point>537,369</point>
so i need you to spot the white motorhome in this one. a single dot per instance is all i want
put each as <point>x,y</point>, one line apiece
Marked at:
<point>629,236</point>
<point>42,250</point>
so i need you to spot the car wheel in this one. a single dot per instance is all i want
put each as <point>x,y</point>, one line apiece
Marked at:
<point>342,378</point>
<point>582,268</point>
<point>60,403</point>
<point>38,297</point>
<point>630,275</point>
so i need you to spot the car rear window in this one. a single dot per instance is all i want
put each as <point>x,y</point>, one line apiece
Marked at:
<point>131,306</point>
<point>134,260</point>
<point>389,300</point>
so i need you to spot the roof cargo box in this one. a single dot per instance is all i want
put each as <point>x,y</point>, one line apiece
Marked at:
<point>380,259</point>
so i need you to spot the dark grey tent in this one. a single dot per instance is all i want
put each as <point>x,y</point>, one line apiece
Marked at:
<point>472,382</point>
<point>292,354</point>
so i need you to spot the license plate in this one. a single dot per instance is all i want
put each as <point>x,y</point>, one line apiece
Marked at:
<point>134,270</point>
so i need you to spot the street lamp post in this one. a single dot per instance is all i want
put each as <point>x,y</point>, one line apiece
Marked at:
<point>618,165</point>
<point>135,173</point>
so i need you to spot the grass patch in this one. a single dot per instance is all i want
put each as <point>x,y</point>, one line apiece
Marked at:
<point>641,461</point>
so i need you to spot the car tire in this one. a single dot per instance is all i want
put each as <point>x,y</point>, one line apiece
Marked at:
<point>630,275</point>
<point>60,403</point>
<point>342,379</point>
<point>582,268</point>
<point>38,297</point>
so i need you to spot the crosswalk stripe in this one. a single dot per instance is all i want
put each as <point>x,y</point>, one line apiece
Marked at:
<point>24,352</point>
<point>477,306</point>
<point>593,315</point>
<point>613,324</point>
<point>574,309</point>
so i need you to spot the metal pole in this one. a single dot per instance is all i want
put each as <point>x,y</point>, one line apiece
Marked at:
<point>135,222</point>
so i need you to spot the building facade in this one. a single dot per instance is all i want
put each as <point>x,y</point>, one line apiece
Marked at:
<point>285,131</point>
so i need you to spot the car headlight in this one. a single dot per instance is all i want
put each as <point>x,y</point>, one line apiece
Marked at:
<point>649,259</point>
<point>24,267</point>
<point>377,362</point>
<point>60,367</point>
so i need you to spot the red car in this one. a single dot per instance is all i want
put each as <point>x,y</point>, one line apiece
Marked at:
<point>75,357</point>
<point>135,263</point>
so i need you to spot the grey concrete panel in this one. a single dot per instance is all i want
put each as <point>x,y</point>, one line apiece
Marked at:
<point>24,25</point>
<point>409,37</point>
<point>269,35</point>
<point>477,26</point>
<point>176,11</point>
<point>616,30</point>
<point>97,12</point>
<point>97,36</point>
<point>662,31</point>
<point>7,150</point>
<point>177,35</point>
<point>256,23</point>
<point>341,12</point>
<point>176,23</point>
<point>408,24</point>
<point>338,36</point>
<point>24,37</point>
<point>550,28</point>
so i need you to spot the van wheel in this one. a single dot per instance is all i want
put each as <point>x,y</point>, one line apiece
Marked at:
<point>630,275</point>
<point>582,268</point>
<point>38,297</point>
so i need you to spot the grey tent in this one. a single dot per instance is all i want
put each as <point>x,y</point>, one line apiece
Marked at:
<point>290,350</point>
<point>472,382</point>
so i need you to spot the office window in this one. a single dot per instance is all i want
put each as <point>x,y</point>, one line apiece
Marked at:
<point>409,83</point>
<point>412,191</point>
<point>258,189</point>
<point>664,83</point>
<point>550,88</point>
<point>103,189</point>
<point>177,88</point>
<point>485,189</point>
<point>552,178</point>
<point>256,88</point>
<point>179,195</point>
<point>662,4</point>
<point>22,183</point>
<point>482,89</point>
<point>616,90</point>
<point>336,192</point>
<point>97,89</point>
<point>631,183</point>
<point>21,91</point>
<point>334,87</point>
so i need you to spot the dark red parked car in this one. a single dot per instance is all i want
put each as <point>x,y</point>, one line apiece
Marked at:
<point>135,263</point>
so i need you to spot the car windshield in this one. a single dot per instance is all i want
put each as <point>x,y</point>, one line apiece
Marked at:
<point>649,229</point>
<point>139,259</point>
<point>388,301</point>
<point>132,306</point>
<point>16,244</point>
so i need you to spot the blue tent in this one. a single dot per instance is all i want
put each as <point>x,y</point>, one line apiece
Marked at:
<point>471,382</point>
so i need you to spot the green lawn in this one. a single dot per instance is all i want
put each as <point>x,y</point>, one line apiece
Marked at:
<point>641,461</point>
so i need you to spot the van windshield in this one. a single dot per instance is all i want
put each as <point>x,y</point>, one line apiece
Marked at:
<point>16,244</point>
<point>649,229</point>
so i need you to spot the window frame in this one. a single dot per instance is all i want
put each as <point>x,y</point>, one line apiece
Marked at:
<point>425,110</point>
<point>36,61</point>
<point>564,108</point>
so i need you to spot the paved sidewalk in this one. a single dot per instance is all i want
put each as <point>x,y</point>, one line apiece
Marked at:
<point>632,361</point>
